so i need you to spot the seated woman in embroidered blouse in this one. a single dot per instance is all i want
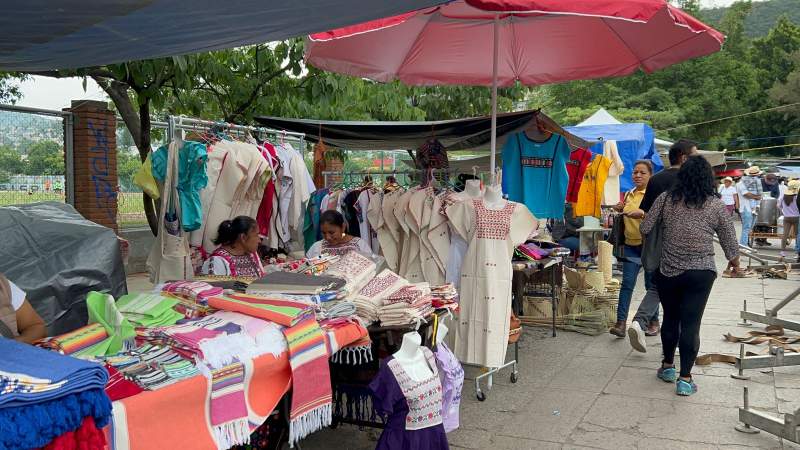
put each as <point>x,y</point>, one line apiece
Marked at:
<point>335,240</point>
<point>237,254</point>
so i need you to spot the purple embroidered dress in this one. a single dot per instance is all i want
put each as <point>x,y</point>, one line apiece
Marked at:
<point>412,408</point>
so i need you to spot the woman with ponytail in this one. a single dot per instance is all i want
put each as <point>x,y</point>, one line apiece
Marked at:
<point>237,254</point>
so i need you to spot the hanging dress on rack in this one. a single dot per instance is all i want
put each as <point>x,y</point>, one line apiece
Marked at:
<point>389,233</point>
<point>400,213</point>
<point>481,335</point>
<point>413,409</point>
<point>439,234</point>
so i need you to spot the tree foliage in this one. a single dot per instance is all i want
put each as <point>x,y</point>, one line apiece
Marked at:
<point>45,158</point>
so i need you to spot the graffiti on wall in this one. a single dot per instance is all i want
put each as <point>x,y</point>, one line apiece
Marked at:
<point>105,190</point>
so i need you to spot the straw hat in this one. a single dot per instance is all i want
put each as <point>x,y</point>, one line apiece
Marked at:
<point>728,179</point>
<point>753,171</point>
<point>793,187</point>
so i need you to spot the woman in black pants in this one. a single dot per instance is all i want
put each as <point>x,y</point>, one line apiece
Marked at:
<point>691,214</point>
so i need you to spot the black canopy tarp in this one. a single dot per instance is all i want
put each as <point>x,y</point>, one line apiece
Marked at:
<point>458,134</point>
<point>56,256</point>
<point>42,35</point>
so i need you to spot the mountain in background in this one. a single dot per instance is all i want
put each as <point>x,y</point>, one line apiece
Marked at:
<point>763,16</point>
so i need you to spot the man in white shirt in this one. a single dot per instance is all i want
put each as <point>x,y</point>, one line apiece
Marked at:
<point>750,192</point>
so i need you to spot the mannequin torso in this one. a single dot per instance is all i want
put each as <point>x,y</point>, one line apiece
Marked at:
<point>473,188</point>
<point>493,197</point>
<point>411,358</point>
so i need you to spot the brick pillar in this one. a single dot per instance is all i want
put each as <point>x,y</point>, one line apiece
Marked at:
<point>95,161</point>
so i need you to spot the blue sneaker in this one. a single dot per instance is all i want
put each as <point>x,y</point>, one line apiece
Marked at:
<point>667,374</point>
<point>685,388</point>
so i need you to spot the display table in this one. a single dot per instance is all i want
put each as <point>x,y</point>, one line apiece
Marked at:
<point>177,416</point>
<point>545,274</point>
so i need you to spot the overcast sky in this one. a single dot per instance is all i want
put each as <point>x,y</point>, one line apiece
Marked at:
<point>49,93</point>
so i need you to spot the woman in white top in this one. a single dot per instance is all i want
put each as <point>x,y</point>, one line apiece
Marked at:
<point>18,319</point>
<point>335,240</point>
<point>728,193</point>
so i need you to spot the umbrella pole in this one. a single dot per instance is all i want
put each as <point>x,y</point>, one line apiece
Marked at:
<point>495,43</point>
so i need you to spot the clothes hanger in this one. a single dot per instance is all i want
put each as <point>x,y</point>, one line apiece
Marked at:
<point>535,129</point>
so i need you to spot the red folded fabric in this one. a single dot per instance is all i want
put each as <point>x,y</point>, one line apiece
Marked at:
<point>86,437</point>
<point>118,387</point>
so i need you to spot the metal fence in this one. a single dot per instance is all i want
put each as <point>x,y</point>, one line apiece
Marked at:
<point>130,206</point>
<point>35,155</point>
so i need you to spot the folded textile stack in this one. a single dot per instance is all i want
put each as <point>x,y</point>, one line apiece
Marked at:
<point>152,367</point>
<point>354,267</point>
<point>531,251</point>
<point>44,395</point>
<point>78,343</point>
<point>406,305</point>
<point>369,299</point>
<point>295,283</point>
<point>281,311</point>
<point>196,291</point>
<point>337,309</point>
<point>444,296</point>
<point>307,266</point>
<point>358,351</point>
<point>149,310</point>
<point>218,338</point>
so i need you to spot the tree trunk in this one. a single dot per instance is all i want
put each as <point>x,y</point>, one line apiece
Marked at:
<point>150,209</point>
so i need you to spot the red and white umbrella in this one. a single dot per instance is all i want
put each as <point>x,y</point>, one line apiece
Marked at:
<point>500,42</point>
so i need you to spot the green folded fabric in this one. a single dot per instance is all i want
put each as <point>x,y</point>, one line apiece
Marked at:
<point>149,310</point>
<point>103,310</point>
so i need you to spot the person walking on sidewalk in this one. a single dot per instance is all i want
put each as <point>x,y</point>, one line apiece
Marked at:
<point>632,260</point>
<point>645,322</point>
<point>788,205</point>
<point>727,191</point>
<point>691,213</point>
<point>750,192</point>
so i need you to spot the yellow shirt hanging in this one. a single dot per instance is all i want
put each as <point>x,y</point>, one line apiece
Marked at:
<point>591,192</point>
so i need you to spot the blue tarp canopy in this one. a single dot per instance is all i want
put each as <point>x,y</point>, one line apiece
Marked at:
<point>635,141</point>
<point>40,35</point>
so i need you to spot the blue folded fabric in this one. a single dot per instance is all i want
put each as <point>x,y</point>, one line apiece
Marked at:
<point>36,425</point>
<point>30,375</point>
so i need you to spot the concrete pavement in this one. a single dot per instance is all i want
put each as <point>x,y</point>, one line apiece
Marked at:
<point>578,391</point>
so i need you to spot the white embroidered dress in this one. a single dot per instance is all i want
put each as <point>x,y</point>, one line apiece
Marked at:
<point>481,335</point>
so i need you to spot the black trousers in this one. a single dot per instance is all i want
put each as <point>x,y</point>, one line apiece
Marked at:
<point>684,299</point>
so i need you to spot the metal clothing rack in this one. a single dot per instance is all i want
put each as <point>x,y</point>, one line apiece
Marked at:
<point>176,124</point>
<point>519,281</point>
<point>383,174</point>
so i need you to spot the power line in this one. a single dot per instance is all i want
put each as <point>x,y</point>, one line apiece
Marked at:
<point>766,138</point>
<point>729,117</point>
<point>761,148</point>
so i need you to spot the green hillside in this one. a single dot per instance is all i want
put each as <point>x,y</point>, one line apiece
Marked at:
<point>763,16</point>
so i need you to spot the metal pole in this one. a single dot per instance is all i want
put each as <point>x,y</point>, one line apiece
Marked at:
<point>740,375</point>
<point>69,159</point>
<point>494,96</point>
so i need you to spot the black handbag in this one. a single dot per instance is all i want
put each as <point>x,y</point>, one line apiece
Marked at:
<point>653,243</point>
<point>617,235</point>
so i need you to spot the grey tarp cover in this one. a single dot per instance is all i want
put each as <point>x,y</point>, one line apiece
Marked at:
<point>472,133</point>
<point>56,256</point>
<point>60,34</point>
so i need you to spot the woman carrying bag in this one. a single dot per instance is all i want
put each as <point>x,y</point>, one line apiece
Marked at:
<point>684,221</point>
<point>631,248</point>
